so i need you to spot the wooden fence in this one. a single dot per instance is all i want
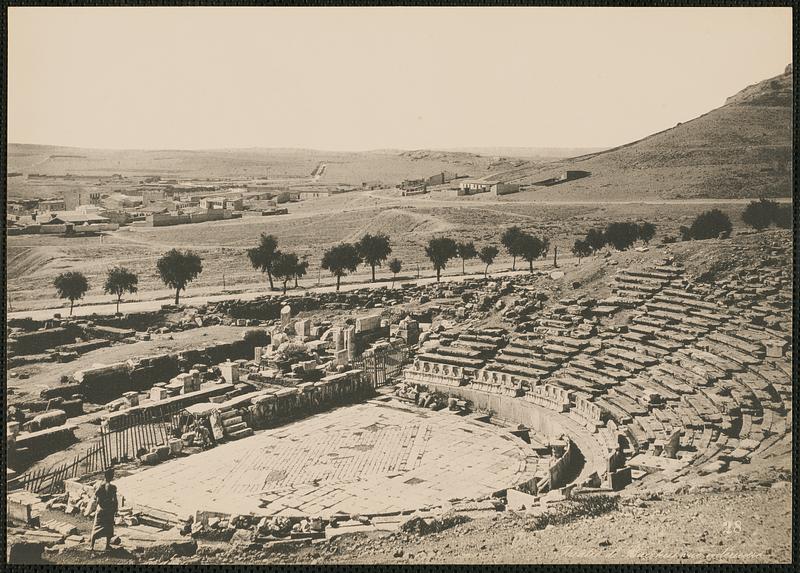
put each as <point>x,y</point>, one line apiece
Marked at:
<point>383,366</point>
<point>137,431</point>
<point>51,480</point>
<point>140,431</point>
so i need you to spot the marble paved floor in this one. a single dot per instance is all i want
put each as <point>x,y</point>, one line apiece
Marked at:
<point>368,458</point>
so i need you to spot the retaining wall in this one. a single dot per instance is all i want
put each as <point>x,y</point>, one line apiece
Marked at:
<point>542,421</point>
<point>107,382</point>
<point>274,408</point>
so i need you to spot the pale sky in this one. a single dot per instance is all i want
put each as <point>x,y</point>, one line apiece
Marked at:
<point>372,78</point>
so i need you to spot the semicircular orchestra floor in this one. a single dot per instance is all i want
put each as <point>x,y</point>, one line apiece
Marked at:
<point>374,457</point>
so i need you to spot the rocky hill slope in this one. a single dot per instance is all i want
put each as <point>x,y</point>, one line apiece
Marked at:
<point>742,149</point>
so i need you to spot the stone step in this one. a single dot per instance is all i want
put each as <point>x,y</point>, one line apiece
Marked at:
<point>450,360</point>
<point>231,421</point>
<point>243,433</point>
<point>234,428</point>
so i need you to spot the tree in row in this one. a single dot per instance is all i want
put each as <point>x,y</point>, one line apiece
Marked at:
<point>176,270</point>
<point>521,244</point>
<point>620,235</point>
<point>267,258</point>
<point>763,213</point>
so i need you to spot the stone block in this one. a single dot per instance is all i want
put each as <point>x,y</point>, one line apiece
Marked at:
<point>158,392</point>
<point>517,500</point>
<point>12,429</point>
<point>230,372</point>
<point>368,323</point>
<point>131,398</point>
<point>620,478</point>
<point>24,552</point>
<point>775,348</point>
<point>19,507</point>
<point>175,446</point>
<point>302,327</point>
<point>340,358</point>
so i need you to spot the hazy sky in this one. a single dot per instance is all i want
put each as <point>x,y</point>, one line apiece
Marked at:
<point>369,78</point>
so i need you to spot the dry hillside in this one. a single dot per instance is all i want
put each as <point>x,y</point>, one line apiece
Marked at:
<point>742,149</point>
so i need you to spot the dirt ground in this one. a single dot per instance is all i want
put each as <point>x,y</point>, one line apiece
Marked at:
<point>45,374</point>
<point>733,520</point>
<point>34,261</point>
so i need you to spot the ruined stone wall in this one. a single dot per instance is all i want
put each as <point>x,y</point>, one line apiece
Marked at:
<point>290,404</point>
<point>266,309</point>
<point>111,381</point>
<point>41,340</point>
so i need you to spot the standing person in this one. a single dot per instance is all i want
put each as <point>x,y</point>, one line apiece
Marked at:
<point>106,497</point>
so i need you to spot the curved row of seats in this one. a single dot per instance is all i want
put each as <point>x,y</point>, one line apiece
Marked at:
<point>688,361</point>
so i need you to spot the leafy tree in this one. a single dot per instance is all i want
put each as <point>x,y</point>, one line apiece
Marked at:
<point>783,217</point>
<point>373,250</point>
<point>621,235</point>
<point>647,231</point>
<point>760,214</point>
<point>263,256</point>
<point>284,267</point>
<point>545,247</point>
<point>256,337</point>
<point>177,269</point>
<point>340,260</point>
<point>395,266</point>
<point>581,249</point>
<point>119,281</point>
<point>710,224</point>
<point>439,251</point>
<point>71,285</point>
<point>466,250</point>
<point>510,240</point>
<point>595,239</point>
<point>300,270</point>
<point>487,255</point>
<point>686,235</point>
<point>531,248</point>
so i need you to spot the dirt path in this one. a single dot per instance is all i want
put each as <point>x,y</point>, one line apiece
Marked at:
<point>478,202</point>
<point>154,300</point>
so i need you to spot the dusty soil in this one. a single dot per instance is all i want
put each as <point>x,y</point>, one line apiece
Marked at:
<point>45,374</point>
<point>315,225</point>
<point>731,521</point>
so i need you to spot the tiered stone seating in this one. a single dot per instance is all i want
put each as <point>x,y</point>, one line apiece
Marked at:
<point>705,372</point>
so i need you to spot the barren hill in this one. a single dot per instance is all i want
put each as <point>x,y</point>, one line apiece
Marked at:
<point>742,149</point>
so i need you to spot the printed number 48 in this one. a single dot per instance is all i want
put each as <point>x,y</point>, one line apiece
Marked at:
<point>732,527</point>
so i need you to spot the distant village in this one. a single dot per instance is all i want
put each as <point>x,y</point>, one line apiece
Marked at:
<point>84,204</point>
<point>78,205</point>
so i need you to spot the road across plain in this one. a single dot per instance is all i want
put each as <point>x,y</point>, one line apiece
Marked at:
<point>166,297</point>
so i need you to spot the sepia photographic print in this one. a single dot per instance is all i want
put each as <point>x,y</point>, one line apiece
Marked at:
<point>399,285</point>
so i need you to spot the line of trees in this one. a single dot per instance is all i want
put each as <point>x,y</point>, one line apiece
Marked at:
<point>175,268</point>
<point>759,214</point>
<point>620,235</point>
